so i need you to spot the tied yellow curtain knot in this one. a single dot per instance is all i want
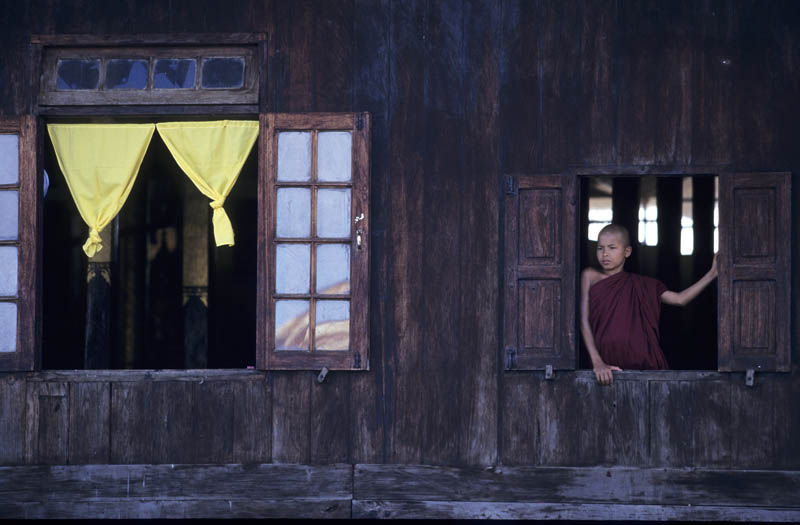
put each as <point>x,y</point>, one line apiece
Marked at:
<point>93,244</point>
<point>217,204</point>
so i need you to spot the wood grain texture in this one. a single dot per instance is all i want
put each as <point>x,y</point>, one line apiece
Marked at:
<point>13,405</point>
<point>89,423</point>
<point>46,436</point>
<point>404,360</point>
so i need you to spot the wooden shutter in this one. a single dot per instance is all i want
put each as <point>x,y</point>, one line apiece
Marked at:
<point>269,356</point>
<point>540,255</point>
<point>754,278</point>
<point>19,244</point>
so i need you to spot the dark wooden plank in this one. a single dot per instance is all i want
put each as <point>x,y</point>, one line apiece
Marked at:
<point>443,164</point>
<point>403,359</point>
<point>157,490</point>
<point>564,511</point>
<point>89,423</point>
<point>332,52</point>
<point>605,425</point>
<point>371,94</point>
<point>12,431</point>
<point>479,223</point>
<point>47,423</point>
<point>786,422</point>
<point>685,432</point>
<point>753,423</point>
<point>252,431</point>
<point>212,414</point>
<point>609,485</point>
<point>291,416</point>
<point>309,508</point>
<point>126,38</point>
<point>597,130</point>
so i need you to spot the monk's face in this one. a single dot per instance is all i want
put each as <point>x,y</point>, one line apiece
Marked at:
<point>612,252</point>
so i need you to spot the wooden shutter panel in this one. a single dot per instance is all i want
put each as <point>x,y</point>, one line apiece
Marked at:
<point>540,276</point>
<point>21,300</point>
<point>754,278</point>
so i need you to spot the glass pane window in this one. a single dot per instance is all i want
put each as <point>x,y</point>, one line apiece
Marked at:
<point>294,156</point>
<point>293,212</point>
<point>8,327</point>
<point>335,157</point>
<point>333,213</point>
<point>648,212</point>
<point>9,257</point>
<point>78,74</point>
<point>332,327</point>
<point>333,269</point>
<point>291,325</point>
<point>223,73</point>
<point>292,268</point>
<point>9,215</point>
<point>126,74</point>
<point>174,73</point>
<point>9,158</point>
<point>687,222</point>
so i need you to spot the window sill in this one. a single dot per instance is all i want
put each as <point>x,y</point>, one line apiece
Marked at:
<point>120,376</point>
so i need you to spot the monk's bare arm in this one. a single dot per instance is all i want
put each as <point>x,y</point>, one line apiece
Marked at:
<point>602,372</point>
<point>685,297</point>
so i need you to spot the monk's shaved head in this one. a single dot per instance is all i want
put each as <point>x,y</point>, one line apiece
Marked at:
<point>617,229</point>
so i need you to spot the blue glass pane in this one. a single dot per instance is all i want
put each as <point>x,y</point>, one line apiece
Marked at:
<point>174,73</point>
<point>223,73</point>
<point>78,74</point>
<point>126,74</point>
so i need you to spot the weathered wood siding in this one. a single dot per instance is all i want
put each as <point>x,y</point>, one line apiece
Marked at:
<point>460,92</point>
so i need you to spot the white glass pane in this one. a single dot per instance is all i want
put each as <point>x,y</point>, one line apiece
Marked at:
<point>8,327</point>
<point>333,213</point>
<point>291,325</point>
<point>641,229</point>
<point>651,233</point>
<point>716,240</point>
<point>687,241</point>
<point>716,214</point>
<point>651,212</point>
<point>292,268</point>
<point>294,212</point>
<point>332,330</point>
<point>294,156</point>
<point>9,215</point>
<point>594,229</point>
<point>8,270</point>
<point>9,159</point>
<point>333,268</point>
<point>334,156</point>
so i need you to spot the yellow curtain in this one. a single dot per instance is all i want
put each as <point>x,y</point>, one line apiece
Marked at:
<point>100,163</point>
<point>212,155</point>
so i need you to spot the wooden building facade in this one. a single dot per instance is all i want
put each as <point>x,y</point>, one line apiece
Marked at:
<point>469,105</point>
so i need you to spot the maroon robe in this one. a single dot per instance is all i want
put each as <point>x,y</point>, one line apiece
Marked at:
<point>623,313</point>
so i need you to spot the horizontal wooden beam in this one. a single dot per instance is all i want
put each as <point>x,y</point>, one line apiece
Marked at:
<point>565,511</point>
<point>148,39</point>
<point>397,491</point>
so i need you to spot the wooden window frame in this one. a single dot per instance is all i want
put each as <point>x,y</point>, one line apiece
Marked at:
<point>357,357</point>
<point>731,357</point>
<point>51,49</point>
<point>29,185</point>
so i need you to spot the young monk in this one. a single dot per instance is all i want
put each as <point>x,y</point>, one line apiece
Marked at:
<point>620,310</point>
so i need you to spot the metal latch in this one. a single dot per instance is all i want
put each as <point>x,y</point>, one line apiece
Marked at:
<point>322,375</point>
<point>511,358</point>
<point>357,360</point>
<point>548,372</point>
<point>510,184</point>
<point>750,377</point>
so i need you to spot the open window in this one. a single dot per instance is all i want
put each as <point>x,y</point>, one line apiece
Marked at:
<point>547,242</point>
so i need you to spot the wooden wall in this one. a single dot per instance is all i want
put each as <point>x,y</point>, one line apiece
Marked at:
<point>461,91</point>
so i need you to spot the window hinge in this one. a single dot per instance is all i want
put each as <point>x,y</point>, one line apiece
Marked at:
<point>548,372</point>
<point>750,377</point>
<point>359,121</point>
<point>511,358</point>
<point>510,185</point>
<point>357,360</point>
